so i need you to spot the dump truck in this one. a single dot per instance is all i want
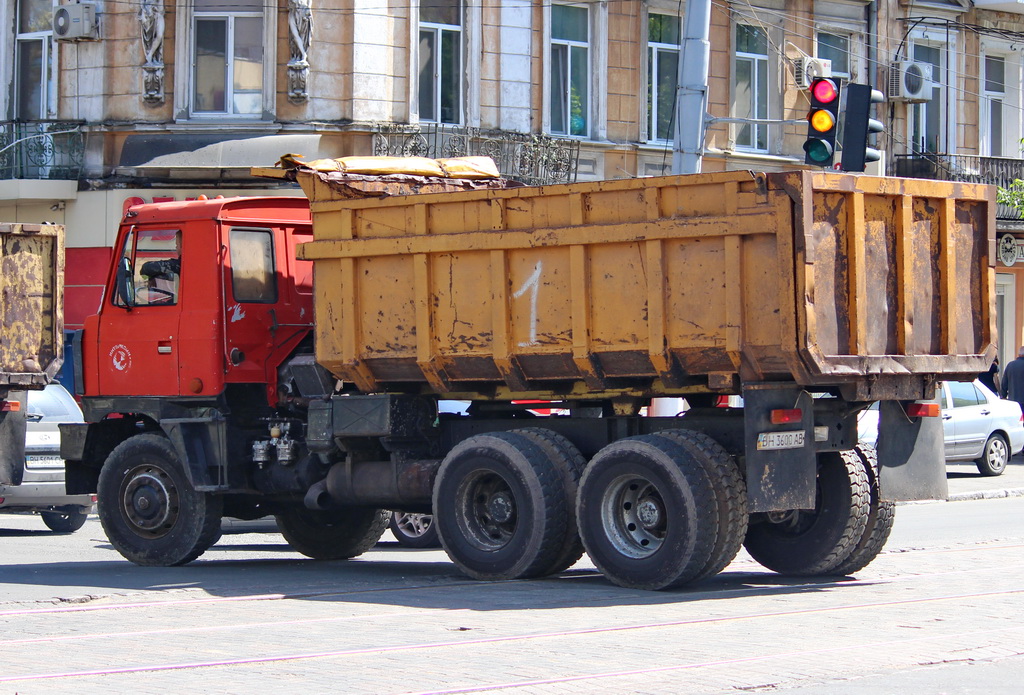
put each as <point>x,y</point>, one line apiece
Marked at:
<point>31,329</point>
<point>383,344</point>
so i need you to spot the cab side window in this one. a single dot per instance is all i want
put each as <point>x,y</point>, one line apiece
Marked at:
<point>253,274</point>
<point>154,257</point>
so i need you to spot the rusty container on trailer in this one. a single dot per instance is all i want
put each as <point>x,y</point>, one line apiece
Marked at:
<point>31,304</point>
<point>654,286</point>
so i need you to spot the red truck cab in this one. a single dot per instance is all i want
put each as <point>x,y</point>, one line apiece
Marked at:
<point>203,294</point>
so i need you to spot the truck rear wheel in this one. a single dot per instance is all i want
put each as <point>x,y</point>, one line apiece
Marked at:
<point>334,534</point>
<point>816,541</point>
<point>730,495</point>
<point>647,513</point>
<point>881,516</point>
<point>569,463</point>
<point>149,510</point>
<point>499,507</point>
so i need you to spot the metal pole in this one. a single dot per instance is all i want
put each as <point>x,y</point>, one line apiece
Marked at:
<point>691,103</point>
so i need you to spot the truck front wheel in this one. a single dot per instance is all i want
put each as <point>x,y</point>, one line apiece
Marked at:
<point>648,513</point>
<point>149,510</point>
<point>816,541</point>
<point>335,534</point>
<point>499,507</point>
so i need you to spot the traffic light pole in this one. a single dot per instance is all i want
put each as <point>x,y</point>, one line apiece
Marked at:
<point>692,90</point>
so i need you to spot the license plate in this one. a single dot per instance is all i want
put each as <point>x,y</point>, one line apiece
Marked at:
<point>44,461</point>
<point>767,441</point>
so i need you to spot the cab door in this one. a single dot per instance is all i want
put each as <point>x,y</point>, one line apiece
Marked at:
<point>138,327</point>
<point>251,297</point>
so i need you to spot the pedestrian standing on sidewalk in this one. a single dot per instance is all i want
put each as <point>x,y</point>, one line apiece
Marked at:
<point>1012,384</point>
<point>991,377</point>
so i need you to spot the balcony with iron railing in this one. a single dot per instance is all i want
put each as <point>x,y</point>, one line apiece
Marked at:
<point>968,168</point>
<point>41,150</point>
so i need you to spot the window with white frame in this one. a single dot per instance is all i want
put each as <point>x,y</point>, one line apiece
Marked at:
<point>927,119</point>
<point>440,61</point>
<point>570,70</point>
<point>227,58</point>
<point>34,84</point>
<point>751,86</point>
<point>836,48</point>
<point>663,36</point>
<point>993,100</point>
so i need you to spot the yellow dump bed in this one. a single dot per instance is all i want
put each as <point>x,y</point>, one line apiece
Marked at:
<point>31,304</point>
<point>656,286</point>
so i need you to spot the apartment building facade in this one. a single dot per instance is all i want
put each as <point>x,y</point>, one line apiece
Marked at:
<point>110,103</point>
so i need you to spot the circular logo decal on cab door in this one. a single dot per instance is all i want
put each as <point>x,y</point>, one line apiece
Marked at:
<point>121,357</point>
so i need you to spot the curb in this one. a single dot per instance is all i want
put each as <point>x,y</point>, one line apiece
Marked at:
<point>987,494</point>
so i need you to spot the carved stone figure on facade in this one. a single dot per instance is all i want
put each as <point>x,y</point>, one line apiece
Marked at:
<point>151,24</point>
<point>300,32</point>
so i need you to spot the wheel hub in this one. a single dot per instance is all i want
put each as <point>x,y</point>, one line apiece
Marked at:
<point>649,513</point>
<point>149,501</point>
<point>500,508</point>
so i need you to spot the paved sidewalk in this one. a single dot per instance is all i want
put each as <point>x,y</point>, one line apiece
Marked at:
<point>965,483</point>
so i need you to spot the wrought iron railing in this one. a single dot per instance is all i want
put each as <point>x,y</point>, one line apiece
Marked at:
<point>969,168</point>
<point>41,150</point>
<point>532,159</point>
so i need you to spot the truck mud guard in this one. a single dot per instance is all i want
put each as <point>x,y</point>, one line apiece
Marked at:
<point>780,457</point>
<point>907,451</point>
<point>202,444</point>
<point>12,435</point>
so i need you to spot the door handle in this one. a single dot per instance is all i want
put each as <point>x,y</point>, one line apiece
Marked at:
<point>163,347</point>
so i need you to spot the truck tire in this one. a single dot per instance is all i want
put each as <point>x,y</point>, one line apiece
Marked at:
<point>66,519</point>
<point>335,534</point>
<point>149,510</point>
<point>647,513</point>
<point>994,456</point>
<point>815,542</point>
<point>414,530</point>
<point>881,516</point>
<point>730,495</point>
<point>569,463</point>
<point>499,507</point>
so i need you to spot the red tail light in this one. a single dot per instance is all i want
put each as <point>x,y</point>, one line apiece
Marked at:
<point>923,410</point>
<point>10,406</point>
<point>784,416</point>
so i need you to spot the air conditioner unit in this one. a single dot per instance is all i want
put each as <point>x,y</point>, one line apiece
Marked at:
<point>807,69</point>
<point>910,81</point>
<point>75,22</point>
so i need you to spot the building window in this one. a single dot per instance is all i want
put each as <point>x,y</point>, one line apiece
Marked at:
<point>227,52</point>
<point>751,86</point>
<point>927,123</point>
<point>440,56</point>
<point>836,48</point>
<point>34,74</point>
<point>992,106</point>
<point>570,70</point>
<point>663,34</point>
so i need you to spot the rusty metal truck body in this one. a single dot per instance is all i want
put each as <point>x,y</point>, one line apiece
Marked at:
<point>31,329</point>
<point>811,295</point>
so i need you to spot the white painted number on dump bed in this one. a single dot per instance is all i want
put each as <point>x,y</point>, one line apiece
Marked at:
<point>532,285</point>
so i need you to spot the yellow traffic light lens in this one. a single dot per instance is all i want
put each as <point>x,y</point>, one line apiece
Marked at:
<point>825,91</point>
<point>822,121</point>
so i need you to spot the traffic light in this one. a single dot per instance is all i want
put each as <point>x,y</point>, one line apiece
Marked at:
<point>858,125</point>
<point>822,122</point>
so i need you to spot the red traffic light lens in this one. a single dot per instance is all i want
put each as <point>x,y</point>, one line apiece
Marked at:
<point>825,91</point>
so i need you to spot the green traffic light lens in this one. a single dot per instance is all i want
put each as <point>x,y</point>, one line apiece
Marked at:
<point>818,150</point>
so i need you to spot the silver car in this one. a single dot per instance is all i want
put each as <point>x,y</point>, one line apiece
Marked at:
<point>977,426</point>
<point>42,488</point>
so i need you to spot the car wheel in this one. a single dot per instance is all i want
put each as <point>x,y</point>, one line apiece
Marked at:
<point>414,530</point>
<point>994,456</point>
<point>65,519</point>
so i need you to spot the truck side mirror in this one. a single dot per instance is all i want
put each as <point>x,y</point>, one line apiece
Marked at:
<point>125,282</point>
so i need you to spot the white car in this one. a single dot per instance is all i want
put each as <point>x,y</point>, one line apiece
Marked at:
<point>977,426</point>
<point>42,488</point>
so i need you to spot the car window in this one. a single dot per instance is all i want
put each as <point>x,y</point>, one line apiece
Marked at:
<point>53,403</point>
<point>963,394</point>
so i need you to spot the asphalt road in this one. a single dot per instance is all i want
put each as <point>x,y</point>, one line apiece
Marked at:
<point>940,610</point>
